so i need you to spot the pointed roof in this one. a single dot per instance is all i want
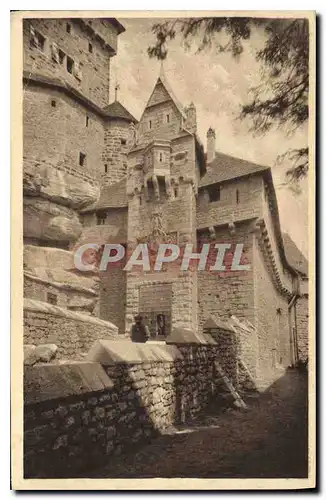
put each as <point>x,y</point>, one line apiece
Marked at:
<point>117,110</point>
<point>295,258</point>
<point>163,80</point>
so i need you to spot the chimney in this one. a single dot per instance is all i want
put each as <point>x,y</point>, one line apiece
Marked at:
<point>191,121</point>
<point>210,144</point>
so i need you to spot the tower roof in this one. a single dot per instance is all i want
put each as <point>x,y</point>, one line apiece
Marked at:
<point>163,80</point>
<point>117,110</point>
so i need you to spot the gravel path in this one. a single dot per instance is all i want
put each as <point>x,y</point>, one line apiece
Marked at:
<point>269,441</point>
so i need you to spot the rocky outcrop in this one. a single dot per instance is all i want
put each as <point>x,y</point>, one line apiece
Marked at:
<point>56,265</point>
<point>59,185</point>
<point>48,221</point>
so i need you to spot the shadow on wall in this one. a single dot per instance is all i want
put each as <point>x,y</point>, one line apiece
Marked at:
<point>270,440</point>
<point>79,415</point>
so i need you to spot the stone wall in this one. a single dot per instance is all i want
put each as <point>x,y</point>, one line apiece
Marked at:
<point>113,295</point>
<point>154,122</point>
<point>73,332</point>
<point>94,81</point>
<point>224,293</point>
<point>250,197</point>
<point>62,294</point>
<point>79,416</point>
<point>271,318</point>
<point>302,318</point>
<point>57,134</point>
<point>114,157</point>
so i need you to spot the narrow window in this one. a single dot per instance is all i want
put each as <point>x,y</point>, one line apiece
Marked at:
<point>82,159</point>
<point>161,157</point>
<point>106,168</point>
<point>161,186</point>
<point>52,298</point>
<point>123,142</point>
<point>140,200</point>
<point>214,192</point>
<point>87,121</point>
<point>150,124</point>
<point>68,28</point>
<point>70,65</point>
<point>167,118</point>
<point>175,192</point>
<point>90,48</point>
<point>62,56</point>
<point>53,103</point>
<point>238,196</point>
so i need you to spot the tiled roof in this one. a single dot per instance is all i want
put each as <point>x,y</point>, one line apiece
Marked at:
<point>293,255</point>
<point>225,167</point>
<point>113,196</point>
<point>114,110</point>
<point>117,110</point>
<point>168,88</point>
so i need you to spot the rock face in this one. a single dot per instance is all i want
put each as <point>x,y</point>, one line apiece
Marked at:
<point>57,265</point>
<point>58,186</point>
<point>48,221</point>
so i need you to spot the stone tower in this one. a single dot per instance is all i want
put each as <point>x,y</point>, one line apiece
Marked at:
<point>66,89</point>
<point>164,165</point>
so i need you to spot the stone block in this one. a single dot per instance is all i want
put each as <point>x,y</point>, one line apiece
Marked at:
<point>109,352</point>
<point>46,352</point>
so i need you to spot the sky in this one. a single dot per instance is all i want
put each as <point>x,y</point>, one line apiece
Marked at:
<point>218,85</point>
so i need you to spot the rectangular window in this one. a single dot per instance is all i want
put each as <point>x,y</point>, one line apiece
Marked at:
<point>70,65</point>
<point>68,28</point>
<point>106,168</point>
<point>101,218</point>
<point>214,192</point>
<point>123,142</point>
<point>82,159</point>
<point>90,48</point>
<point>53,103</point>
<point>87,121</point>
<point>52,298</point>
<point>238,196</point>
<point>150,124</point>
<point>167,118</point>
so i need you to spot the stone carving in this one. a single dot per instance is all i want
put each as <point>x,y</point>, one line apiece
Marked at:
<point>158,233</point>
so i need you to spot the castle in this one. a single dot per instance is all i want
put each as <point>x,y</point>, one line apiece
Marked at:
<point>94,174</point>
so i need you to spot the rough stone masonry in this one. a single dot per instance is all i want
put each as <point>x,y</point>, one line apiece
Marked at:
<point>93,173</point>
